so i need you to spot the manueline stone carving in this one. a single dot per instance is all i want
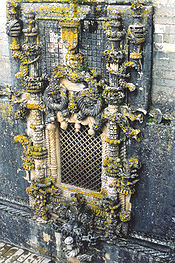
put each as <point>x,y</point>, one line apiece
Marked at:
<point>78,93</point>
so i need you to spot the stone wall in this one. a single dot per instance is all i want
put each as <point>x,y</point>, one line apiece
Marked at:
<point>5,78</point>
<point>153,219</point>
<point>163,92</point>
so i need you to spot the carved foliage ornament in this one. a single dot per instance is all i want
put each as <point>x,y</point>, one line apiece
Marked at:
<point>80,94</point>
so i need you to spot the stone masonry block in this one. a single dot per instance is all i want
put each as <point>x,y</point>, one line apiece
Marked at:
<point>164,82</point>
<point>159,54</point>
<point>160,95</point>
<point>161,29</point>
<point>164,64</point>
<point>168,20</point>
<point>158,38</point>
<point>164,74</point>
<point>169,38</point>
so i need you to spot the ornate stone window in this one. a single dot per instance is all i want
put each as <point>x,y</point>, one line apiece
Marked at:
<point>81,158</point>
<point>82,74</point>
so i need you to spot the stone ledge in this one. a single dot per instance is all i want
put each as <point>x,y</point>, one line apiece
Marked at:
<point>13,254</point>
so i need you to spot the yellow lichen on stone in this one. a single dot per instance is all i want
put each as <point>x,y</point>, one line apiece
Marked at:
<point>6,111</point>
<point>28,161</point>
<point>42,190</point>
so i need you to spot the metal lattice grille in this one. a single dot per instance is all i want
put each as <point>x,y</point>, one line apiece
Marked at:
<point>81,158</point>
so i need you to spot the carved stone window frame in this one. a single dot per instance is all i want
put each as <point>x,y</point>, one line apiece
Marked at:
<point>73,90</point>
<point>64,124</point>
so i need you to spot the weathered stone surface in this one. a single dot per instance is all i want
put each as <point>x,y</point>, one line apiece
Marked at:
<point>5,75</point>
<point>12,254</point>
<point>153,204</point>
<point>122,250</point>
<point>23,230</point>
<point>12,175</point>
<point>163,95</point>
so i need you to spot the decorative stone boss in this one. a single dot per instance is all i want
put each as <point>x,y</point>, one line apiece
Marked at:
<point>81,78</point>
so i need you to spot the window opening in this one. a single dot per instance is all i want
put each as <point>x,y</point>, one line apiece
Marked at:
<point>81,158</point>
